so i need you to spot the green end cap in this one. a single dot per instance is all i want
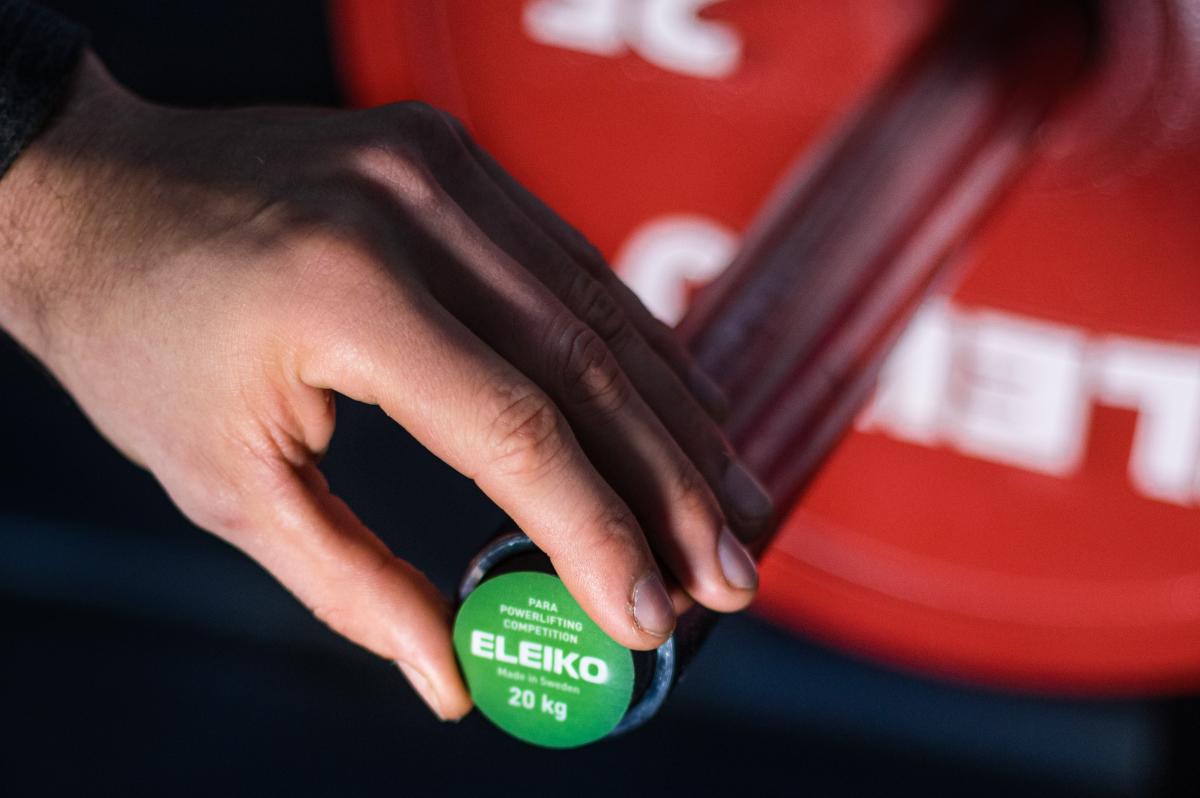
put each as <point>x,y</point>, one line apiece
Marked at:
<point>537,666</point>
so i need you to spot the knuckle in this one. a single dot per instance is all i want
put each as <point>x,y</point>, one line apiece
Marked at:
<point>336,256</point>
<point>596,307</point>
<point>438,135</point>
<point>611,538</point>
<point>217,507</point>
<point>418,112</point>
<point>590,374</point>
<point>620,532</point>
<point>343,619</point>
<point>437,120</point>
<point>341,242</point>
<point>455,124</point>
<point>216,491</point>
<point>614,539</point>
<point>341,576</point>
<point>400,167</point>
<point>527,435</point>
<point>689,492</point>
<point>339,213</point>
<point>335,616</point>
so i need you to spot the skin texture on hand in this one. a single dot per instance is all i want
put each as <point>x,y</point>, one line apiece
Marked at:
<point>203,282</point>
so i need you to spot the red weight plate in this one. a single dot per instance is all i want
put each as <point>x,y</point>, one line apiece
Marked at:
<point>1020,503</point>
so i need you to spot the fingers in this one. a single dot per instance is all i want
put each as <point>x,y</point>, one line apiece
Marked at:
<point>486,419</point>
<point>576,247</point>
<point>588,291</point>
<point>571,361</point>
<point>317,548</point>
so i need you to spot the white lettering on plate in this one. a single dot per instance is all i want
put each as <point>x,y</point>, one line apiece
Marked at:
<point>665,257</point>
<point>670,34</point>
<point>987,383</point>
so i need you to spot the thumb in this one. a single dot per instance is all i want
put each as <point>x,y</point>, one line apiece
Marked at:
<point>315,545</point>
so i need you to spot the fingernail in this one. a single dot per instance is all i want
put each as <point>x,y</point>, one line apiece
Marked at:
<point>423,687</point>
<point>652,610</point>
<point>737,564</point>
<point>747,495</point>
<point>707,393</point>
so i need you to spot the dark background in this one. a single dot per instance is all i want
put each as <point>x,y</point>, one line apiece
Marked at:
<point>141,656</point>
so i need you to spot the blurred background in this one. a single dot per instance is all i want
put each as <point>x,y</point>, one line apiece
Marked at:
<point>993,587</point>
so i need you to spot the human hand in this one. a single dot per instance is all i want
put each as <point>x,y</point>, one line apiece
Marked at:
<point>202,282</point>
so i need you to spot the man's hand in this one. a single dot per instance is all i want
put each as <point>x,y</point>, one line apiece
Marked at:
<point>203,281</point>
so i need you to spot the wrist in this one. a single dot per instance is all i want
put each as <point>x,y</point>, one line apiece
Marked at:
<point>49,200</point>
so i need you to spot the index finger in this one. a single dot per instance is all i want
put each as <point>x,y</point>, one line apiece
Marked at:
<point>484,418</point>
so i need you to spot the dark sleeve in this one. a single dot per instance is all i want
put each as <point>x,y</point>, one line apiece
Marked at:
<point>38,54</point>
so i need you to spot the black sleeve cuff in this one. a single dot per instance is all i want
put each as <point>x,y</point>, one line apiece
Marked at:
<point>38,54</point>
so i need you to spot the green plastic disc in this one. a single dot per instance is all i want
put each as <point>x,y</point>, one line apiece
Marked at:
<point>537,666</point>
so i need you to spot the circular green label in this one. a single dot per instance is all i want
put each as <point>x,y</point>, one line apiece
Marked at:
<point>537,666</point>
